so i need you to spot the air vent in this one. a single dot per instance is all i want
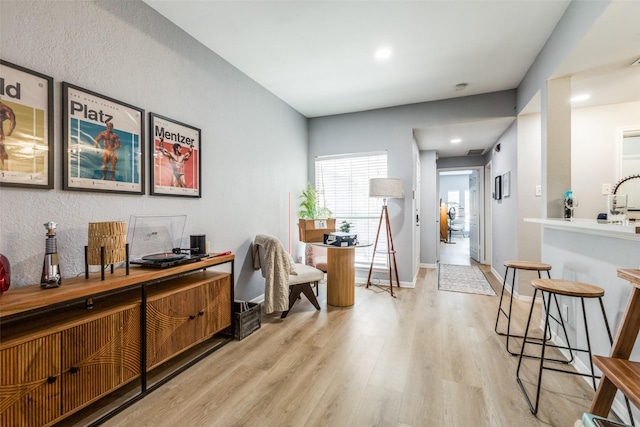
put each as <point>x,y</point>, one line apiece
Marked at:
<point>475,152</point>
<point>636,62</point>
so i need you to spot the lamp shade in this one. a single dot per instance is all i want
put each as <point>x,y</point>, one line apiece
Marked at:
<point>387,188</point>
<point>110,235</point>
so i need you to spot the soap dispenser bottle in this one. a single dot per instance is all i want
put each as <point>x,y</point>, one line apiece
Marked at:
<point>568,204</point>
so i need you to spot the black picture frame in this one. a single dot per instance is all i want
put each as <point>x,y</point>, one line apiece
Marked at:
<point>88,143</point>
<point>26,138</point>
<point>175,157</point>
<point>497,187</point>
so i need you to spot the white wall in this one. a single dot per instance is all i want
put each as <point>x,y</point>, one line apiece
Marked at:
<point>594,152</point>
<point>529,205</point>
<point>504,243</point>
<point>254,146</point>
<point>459,183</point>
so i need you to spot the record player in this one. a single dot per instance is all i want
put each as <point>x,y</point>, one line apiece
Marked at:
<point>156,241</point>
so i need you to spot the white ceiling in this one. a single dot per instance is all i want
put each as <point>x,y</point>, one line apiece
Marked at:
<point>318,56</point>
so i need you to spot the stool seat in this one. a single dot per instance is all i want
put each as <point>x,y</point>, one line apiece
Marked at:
<point>568,288</point>
<point>515,265</point>
<point>528,265</point>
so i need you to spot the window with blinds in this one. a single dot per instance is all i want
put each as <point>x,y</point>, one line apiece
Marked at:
<point>342,183</point>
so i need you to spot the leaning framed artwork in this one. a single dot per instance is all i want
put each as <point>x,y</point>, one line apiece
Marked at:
<point>26,127</point>
<point>506,184</point>
<point>175,156</point>
<point>103,143</point>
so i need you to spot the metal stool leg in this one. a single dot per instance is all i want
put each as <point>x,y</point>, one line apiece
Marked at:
<point>533,408</point>
<point>500,310</point>
<point>547,334</point>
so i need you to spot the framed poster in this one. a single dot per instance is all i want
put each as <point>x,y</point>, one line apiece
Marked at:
<point>103,143</point>
<point>506,184</point>
<point>175,157</point>
<point>497,187</point>
<point>26,127</point>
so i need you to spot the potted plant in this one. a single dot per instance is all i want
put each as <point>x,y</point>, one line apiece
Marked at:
<point>345,226</point>
<point>314,221</point>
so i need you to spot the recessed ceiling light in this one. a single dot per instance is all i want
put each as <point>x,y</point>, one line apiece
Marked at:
<point>580,98</point>
<point>383,53</point>
<point>456,140</point>
<point>461,86</point>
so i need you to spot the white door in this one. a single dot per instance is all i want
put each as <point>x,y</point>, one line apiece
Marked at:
<point>473,212</point>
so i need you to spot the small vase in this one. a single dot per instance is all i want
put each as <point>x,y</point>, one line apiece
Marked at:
<point>5,274</point>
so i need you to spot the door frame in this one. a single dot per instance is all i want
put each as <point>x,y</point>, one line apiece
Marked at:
<point>486,259</point>
<point>481,208</point>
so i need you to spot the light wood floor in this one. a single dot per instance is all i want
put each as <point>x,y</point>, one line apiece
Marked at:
<point>425,358</point>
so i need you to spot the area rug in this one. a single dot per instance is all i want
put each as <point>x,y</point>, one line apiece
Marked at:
<point>463,278</point>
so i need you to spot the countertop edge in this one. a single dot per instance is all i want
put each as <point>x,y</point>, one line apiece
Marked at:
<point>589,226</point>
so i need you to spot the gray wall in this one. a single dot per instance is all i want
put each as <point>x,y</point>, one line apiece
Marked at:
<point>254,146</point>
<point>391,129</point>
<point>429,209</point>
<point>504,225</point>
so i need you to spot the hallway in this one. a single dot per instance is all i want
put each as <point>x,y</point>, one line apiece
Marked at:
<point>456,252</point>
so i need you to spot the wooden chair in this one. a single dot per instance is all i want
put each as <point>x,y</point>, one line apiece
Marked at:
<point>316,256</point>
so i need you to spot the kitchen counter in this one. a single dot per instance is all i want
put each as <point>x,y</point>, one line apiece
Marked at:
<point>630,230</point>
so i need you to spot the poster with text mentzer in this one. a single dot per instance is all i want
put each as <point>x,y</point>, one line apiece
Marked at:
<point>175,149</point>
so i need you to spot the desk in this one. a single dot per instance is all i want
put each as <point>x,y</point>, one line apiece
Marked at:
<point>341,274</point>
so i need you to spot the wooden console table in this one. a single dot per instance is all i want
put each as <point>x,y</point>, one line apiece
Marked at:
<point>63,350</point>
<point>618,372</point>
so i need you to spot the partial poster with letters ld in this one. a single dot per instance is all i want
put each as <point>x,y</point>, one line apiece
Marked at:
<point>26,127</point>
<point>103,143</point>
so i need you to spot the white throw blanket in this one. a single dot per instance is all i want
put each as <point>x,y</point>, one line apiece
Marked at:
<point>277,267</point>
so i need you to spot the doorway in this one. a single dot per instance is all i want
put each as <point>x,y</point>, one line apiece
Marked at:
<point>460,198</point>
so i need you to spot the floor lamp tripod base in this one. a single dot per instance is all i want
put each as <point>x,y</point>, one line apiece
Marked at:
<point>390,252</point>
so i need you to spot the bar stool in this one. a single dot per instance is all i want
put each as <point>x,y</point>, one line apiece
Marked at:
<point>570,289</point>
<point>517,265</point>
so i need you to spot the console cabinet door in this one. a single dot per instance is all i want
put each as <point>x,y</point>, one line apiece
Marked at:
<point>171,325</point>
<point>182,318</point>
<point>99,356</point>
<point>29,382</point>
<point>215,303</point>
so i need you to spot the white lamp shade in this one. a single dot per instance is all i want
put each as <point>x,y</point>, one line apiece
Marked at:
<point>387,188</point>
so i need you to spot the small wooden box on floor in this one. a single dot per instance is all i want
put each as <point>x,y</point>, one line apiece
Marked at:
<point>247,321</point>
<point>313,230</point>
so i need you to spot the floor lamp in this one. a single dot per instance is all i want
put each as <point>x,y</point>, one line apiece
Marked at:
<point>385,188</point>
